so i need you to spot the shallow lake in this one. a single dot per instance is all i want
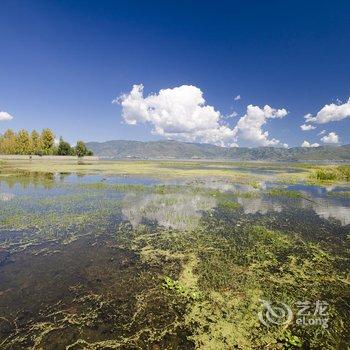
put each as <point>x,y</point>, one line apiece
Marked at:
<point>121,262</point>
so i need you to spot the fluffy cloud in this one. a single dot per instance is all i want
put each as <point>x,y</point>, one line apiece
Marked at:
<point>321,132</point>
<point>5,116</point>
<point>249,127</point>
<point>182,113</point>
<point>237,98</point>
<point>179,113</point>
<point>330,113</point>
<point>306,127</point>
<point>332,137</point>
<point>308,144</point>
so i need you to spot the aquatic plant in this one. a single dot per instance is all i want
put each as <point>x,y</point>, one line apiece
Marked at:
<point>280,192</point>
<point>331,173</point>
<point>176,286</point>
<point>291,341</point>
<point>217,259</point>
<point>231,205</point>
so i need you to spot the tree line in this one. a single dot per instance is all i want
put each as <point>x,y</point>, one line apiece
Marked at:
<point>34,143</point>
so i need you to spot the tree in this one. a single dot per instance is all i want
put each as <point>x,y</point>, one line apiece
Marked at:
<point>39,144</point>
<point>80,149</point>
<point>23,142</point>
<point>48,141</point>
<point>36,146</point>
<point>8,142</point>
<point>64,148</point>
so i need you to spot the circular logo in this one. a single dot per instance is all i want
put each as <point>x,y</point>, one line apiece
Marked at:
<point>275,314</point>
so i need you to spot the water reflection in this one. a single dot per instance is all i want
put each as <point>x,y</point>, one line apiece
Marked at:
<point>328,210</point>
<point>49,180</point>
<point>180,211</point>
<point>325,207</point>
<point>5,197</point>
<point>259,205</point>
<point>226,185</point>
<point>33,179</point>
<point>183,209</point>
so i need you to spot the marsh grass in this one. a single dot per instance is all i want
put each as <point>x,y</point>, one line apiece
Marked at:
<point>332,174</point>
<point>173,169</point>
<point>230,205</point>
<point>280,192</point>
<point>155,169</point>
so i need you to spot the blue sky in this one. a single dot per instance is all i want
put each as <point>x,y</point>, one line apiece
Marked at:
<point>63,62</point>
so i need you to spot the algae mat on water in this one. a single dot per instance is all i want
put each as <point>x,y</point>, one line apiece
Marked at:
<point>114,262</point>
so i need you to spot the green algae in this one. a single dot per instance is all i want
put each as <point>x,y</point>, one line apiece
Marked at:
<point>60,218</point>
<point>200,269</point>
<point>228,274</point>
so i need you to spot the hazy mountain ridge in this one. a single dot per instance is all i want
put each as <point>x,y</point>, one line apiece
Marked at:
<point>120,149</point>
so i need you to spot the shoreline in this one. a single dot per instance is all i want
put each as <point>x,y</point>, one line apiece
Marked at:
<point>35,157</point>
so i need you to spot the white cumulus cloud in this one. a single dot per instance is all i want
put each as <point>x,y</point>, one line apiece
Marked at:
<point>249,127</point>
<point>308,144</point>
<point>330,113</point>
<point>321,132</point>
<point>237,98</point>
<point>5,116</point>
<point>182,113</point>
<point>179,113</point>
<point>306,127</point>
<point>331,138</point>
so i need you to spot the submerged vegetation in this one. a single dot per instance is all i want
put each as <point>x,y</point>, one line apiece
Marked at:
<point>236,266</point>
<point>121,262</point>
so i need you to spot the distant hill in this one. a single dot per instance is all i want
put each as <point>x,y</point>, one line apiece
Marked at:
<point>119,149</point>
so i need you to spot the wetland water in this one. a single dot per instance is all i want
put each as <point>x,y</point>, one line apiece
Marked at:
<point>121,262</point>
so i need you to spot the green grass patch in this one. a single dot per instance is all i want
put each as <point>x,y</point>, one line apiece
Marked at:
<point>331,174</point>
<point>279,192</point>
<point>229,205</point>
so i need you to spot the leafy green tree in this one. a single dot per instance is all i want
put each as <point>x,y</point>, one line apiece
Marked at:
<point>23,142</point>
<point>8,142</point>
<point>48,141</point>
<point>80,149</point>
<point>36,146</point>
<point>40,144</point>
<point>64,148</point>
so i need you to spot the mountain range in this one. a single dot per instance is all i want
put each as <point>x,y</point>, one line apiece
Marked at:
<point>121,149</point>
